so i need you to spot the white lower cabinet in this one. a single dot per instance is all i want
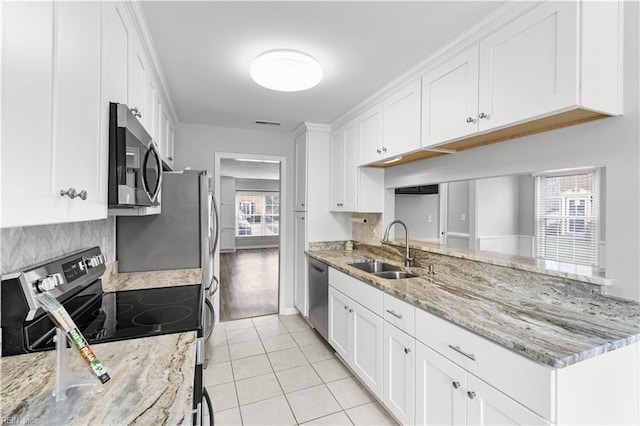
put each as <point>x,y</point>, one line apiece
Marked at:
<point>300,261</point>
<point>399,373</point>
<point>448,395</point>
<point>356,334</point>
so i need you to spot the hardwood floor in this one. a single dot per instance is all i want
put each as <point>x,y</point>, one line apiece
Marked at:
<point>248,283</point>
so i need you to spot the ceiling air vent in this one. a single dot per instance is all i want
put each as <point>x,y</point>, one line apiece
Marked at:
<point>268,123</point>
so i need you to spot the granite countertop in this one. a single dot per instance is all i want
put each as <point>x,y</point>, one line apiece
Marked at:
<point>550,325</point>
<point>152,279</point>
<point>151,383</point>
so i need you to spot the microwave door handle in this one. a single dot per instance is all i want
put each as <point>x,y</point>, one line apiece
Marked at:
<point>151,148</point>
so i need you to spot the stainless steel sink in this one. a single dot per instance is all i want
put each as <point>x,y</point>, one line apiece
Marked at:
<point>374,266</point>
<point>395,275</point>
<point>382,270</point>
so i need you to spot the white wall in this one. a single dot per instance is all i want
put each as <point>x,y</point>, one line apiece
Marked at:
<point>611,142</point>
<point>414,211</point>
<point>458,207</point>
<point>497,204</point>
<point>196,145</point>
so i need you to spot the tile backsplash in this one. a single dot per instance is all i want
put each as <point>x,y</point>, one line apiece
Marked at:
<point>29,245</point>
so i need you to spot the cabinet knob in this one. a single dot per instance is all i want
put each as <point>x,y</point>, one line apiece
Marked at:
<point>71,193</point>
<point>407,350</point>
<point>483,115</point>
<point>170,158</point>
<point>384,149</point>
<point>302,204</point>
<point>346,307</point>
<point>83,194</point>
<point>471,394</point>
<point>470,120</point>
<point>378,151</point>
<point>350,310</point>
<point>456,385</point>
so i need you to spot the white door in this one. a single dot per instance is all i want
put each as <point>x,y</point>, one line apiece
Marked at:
<point>351,184</point>
<point>300,148</point>
<point>78,108</point>
<point>366,358</point>
<point>30,176</point>
<point>336,174</point>
<point>339,323</point>
<point>300,262</point>
<point>529,68</point>
<point>450,99</point>
<point>228,213</point>
<point>440,389</point>
<point>370,135</point>
<point>399,373</point>
<point>488,406</point>
<point>402,120</point>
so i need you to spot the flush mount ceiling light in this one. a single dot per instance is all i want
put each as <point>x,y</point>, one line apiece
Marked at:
<point>286,70</point>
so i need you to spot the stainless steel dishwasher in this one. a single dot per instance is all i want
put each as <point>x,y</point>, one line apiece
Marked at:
<point>319,297</point>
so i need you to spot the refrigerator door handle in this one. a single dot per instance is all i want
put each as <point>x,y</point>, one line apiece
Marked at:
<point>211,318</point>
<point>216,230</point>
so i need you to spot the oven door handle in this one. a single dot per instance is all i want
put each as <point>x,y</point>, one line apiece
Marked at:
<point>211,318</point>
<point>207,401</point>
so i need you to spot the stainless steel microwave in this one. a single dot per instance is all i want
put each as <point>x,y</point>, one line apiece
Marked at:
<point>135,165</point>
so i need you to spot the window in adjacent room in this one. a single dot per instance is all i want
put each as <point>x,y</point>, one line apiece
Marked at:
<point>567,217</point>
<point>258,213</point>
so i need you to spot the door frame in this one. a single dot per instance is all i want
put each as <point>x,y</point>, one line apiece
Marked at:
<point>284,219</point>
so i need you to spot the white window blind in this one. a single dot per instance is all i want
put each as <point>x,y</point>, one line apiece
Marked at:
<point>567,217</point>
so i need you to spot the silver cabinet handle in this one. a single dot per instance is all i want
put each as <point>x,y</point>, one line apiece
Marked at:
<point>483,115</point>
<point>470,120</point>
<point>346,307</point>
<point>456,385</point>
<point>170,158</point>
<point>350,310</point>
<point>136,112</point>
<point>471,394</point>
<point>83,194</point>
<point>472,357</point>
<point>378,151</point>
<point>407,350</point>
<point>384,149</point>
<point>71,193</point>
<point>399,316</point>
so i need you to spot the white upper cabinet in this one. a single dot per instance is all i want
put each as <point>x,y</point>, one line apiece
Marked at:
<point>137,79</point>
<point>352,189</point>
<point>116,42</point>
<point>450,99</point>
<point>51,135</point>
<point>401,121</point>
<point>370,135</point>
<point>529,68</point>
<point>300,195</point>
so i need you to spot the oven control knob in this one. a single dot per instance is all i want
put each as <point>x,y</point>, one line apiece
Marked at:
<point>50,282</point>
<point>96,260</point>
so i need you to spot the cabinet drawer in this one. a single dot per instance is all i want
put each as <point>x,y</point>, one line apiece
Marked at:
<point>526,381</point>
<point>364,294</point>
<point>400,313</point>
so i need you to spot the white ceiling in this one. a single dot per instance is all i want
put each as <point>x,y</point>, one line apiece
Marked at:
<point>205,48</point>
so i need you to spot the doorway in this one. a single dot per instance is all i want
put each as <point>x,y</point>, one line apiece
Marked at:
<point>251,219</point>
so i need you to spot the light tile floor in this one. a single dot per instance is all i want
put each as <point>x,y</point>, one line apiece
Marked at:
<point>276,370</point>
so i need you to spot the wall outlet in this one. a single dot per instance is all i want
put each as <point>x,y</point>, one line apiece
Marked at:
<point>463,217</point>
<point>429,218</point>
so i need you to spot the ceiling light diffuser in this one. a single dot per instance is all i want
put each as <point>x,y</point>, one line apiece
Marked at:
<point>286,70</point>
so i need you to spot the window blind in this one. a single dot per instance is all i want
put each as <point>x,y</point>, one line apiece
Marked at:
<point>567,223</point>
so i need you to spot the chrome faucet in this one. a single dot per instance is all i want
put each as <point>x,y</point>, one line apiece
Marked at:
<point>385,239</point>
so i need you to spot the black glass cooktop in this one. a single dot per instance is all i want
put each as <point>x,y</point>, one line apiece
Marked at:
<point>136,313</point>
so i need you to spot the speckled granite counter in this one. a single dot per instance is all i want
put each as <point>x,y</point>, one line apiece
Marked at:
<point>549,322</point>
<point>152,279</point>
<point>151,383</point>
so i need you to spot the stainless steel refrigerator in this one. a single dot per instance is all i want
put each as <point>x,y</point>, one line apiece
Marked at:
<point>183,236</point>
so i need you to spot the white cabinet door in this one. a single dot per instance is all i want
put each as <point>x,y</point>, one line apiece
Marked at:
<point>30,178</point>
<point>367,352</point>
<point>488,406</point>
<point>529,67</point>
<point>401,128</point>
<point>170,144</point>
<point>164,133</point>
<point>300,262</point>
<point>300,147</point>
<point>115,44</point>
<point>370,135</point>
<point>339,323</point>
<point>150,104</point>
<point>137,78</point>
<point>78,108</point>
<point>399,373</point>
<point>352,187</point>
<point>440,389</point>
<point>336,174</point>
<point>450,99</point>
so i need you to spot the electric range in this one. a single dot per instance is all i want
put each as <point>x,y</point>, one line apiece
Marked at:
<point>74,279</point>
